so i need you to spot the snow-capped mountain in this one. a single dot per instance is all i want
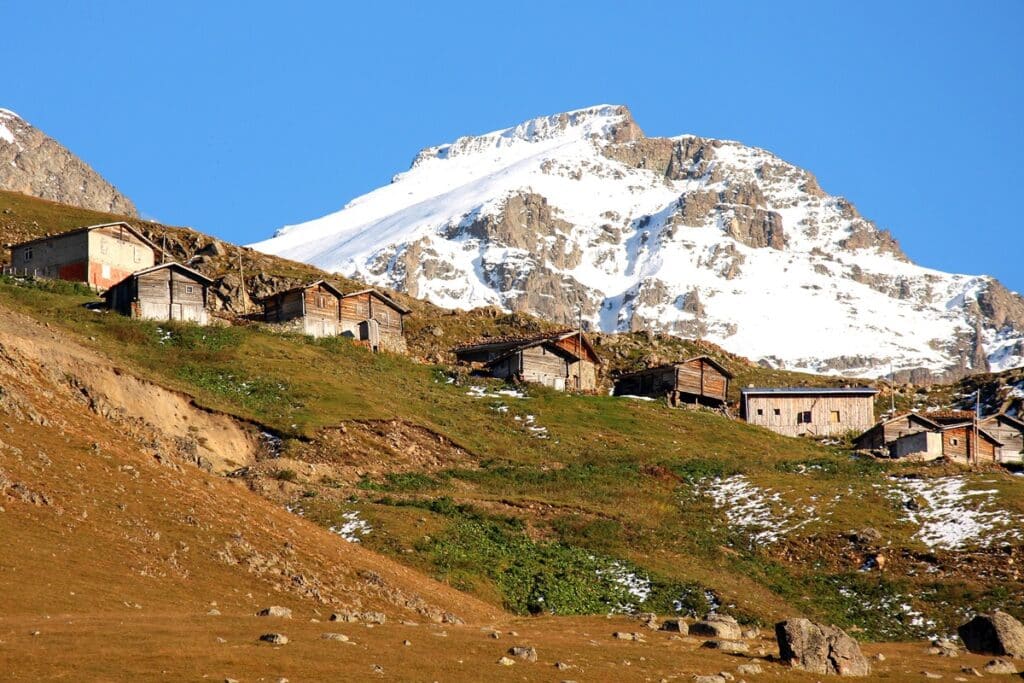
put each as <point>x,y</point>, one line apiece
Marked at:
<point>688,235</point>
<point>33,163</point>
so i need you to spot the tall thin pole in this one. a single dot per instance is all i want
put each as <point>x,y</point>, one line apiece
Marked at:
<point>892,390</point>
<point>977,411</point>
<point>579,372</point>
<point>241,276</point>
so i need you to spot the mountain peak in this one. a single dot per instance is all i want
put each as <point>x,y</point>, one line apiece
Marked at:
<point>687,235</point>
<point>35,164</point>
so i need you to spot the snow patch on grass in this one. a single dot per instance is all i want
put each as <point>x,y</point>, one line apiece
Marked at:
<point>353,528</point>
<point>760,513</point>
<point>951,516</point>
<point>636,586</point>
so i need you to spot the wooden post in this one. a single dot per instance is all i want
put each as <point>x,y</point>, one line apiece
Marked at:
<point>245,296</point>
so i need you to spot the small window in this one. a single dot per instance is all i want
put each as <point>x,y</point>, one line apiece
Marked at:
<point>28,255</point>
<point>777,412</point>
<point>189,289</point>
<point>834,417</point>
<point>103,246</point>
<point>760,411</point>
<point>803,417</point>
<point>955,441</point>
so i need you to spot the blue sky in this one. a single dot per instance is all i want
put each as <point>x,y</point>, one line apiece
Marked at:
<point>239,117</point>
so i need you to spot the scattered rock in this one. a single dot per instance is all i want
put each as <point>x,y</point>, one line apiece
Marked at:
<point>274,638</point>
<point>563,666</point>
<point>365,617</point>
<point>819,649</point>
<point>626,635</point>
<point>751,669</point>
<point>930,674</point>
<point>214,612</point>
<point>717,626</point>
<point>751,633</point>
<point>1000,666</point>
<point>729,647</point>
<point>993,634</point>
<point>506,661</point>
<point>407,643</point>
<point>713,678</point>
<point>524,652</point>
<point>649,620</point>
<point>275,611</point>
<point>334,636</point>
<point>879,657</point>
<point>944,648</point>
<point>970,671</point>
<point>675,626</point>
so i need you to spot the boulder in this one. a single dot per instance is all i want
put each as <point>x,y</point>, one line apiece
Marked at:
<point>944,648</point>
<point>626,635</point>
<point>751,669</point>
<point>1000,666</point>
<point>275,611</point>
<point>819,649</point>
<point>274,638</point>
<point>365,617</point>
<point>713,678</point>
<point>675,626</point>
<point>717,626</point>
<point>729,647</point>
<point>993,634</point>
<point>335,636</point>
<point>523,652</point>
<point>505,661</point>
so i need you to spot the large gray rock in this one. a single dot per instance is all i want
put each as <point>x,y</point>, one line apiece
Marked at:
<point>717,626</point>
<point>35,164</point>
<point>993,634</point>
<point>819,649</point>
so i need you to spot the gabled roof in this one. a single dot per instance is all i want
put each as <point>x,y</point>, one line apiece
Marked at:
<point>949,416</point>
<point>911,415</point>
<point>507,346</point>
<point>707,359</point>
<point>1003,417</point>
<point>386,299</point>
<point>809,391</point>
<point>90,228</point>
<point>177,266</point>
<point>969,425</point>
<point>300,288</point>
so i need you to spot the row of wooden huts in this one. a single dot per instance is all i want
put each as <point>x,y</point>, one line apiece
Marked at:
<point>118,260</point>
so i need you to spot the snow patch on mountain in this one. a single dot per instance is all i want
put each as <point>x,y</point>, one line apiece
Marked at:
<point>686,235</point>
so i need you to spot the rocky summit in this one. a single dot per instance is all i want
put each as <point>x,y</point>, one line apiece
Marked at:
<point>33,163</point>
<point>688,235</point>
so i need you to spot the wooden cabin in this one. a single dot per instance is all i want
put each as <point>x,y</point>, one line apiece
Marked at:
<point>1010,431</point>
<point>561,360</point>
<point>809,411</point>
<point>881,436</point>
<point>312,309</point>
<point>379,321</point>
<point>699,380</point>
<point>958,444</point>
<point>169,291</point>
<point>97,255</point>
<point>320,309</point>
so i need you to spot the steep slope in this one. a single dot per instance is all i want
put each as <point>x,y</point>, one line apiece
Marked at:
<point>33,163</point>
<point>687,235</point>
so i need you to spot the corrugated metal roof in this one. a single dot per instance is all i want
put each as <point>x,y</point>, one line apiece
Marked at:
<point>806,391</point>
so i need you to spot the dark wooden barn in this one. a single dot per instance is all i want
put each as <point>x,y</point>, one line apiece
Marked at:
<point>700,380</point>
<point>169,291</point>
<point>560,360</point>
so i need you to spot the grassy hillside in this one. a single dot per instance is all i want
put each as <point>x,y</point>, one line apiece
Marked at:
<point>545,502</point>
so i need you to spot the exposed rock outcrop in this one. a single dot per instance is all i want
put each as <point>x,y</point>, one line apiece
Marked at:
<point>33,163</point>
<point>997,633</point>
<point>820,649</point>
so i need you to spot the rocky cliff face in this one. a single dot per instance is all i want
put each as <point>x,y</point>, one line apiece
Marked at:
<point>686,235</point>
<point>33,163</point>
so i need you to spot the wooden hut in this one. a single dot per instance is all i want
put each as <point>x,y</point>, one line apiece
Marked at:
<point>312,309</point>
<point>371,317</point>
<point>699,380</point>
<point>320,309</point>
<point>967,443</point>
<point>169,291</point>
<point>809,411</point>
<point>1010,431</point>
<point>881,436</point>
<point>97,255</point>
<point>561,360</point>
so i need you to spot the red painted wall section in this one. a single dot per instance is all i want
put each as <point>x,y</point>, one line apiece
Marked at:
<point>105,278</point>
<point>73,271</point>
